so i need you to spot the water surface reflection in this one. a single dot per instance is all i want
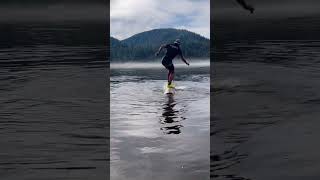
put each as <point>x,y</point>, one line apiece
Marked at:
<point>170,117</point>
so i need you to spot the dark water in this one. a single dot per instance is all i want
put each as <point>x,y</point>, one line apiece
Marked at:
<point>155,136</point>
<point>53,98</point>
<point>265,100</point>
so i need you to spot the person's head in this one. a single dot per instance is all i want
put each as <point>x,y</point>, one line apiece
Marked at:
<point>177,42</point>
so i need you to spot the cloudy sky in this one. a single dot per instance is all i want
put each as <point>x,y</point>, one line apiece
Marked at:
<point>128,17</point>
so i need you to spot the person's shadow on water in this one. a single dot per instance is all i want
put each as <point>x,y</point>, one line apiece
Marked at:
<point>170,117</point>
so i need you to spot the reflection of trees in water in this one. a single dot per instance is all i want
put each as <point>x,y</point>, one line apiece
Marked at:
<point>170,117</point>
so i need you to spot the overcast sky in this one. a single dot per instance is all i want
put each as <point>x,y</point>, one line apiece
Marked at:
<point>128,17</point>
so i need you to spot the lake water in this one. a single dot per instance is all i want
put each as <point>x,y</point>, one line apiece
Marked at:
<point>265,100</point>
<point>53,103</point>
<point>155,136</point>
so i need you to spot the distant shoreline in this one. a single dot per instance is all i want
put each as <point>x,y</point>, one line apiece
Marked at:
<point>157,64</point>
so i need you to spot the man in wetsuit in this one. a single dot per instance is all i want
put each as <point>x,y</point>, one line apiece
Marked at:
<point>245,5</point>
<point>172,51</point>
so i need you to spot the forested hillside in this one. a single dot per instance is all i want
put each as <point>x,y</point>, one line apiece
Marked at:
<point>143,46</point>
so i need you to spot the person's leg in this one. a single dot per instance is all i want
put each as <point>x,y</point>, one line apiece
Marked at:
<point>245,5</point>
<point>165,64</point>
<point>169,66</point>
<point>170,74</point>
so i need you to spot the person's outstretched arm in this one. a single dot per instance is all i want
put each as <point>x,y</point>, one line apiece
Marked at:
<point>160,49</point>
<point>184,60</point>
<point>245,5</point>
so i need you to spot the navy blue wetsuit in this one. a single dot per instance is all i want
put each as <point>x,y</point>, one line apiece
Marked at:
<point>172,51</point>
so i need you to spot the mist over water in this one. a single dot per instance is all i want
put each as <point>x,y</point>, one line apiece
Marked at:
<point>157,64</point>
